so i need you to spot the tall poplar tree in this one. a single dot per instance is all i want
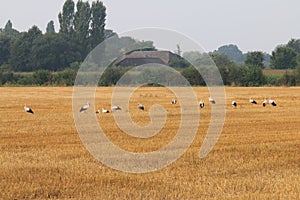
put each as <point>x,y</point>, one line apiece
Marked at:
<point>98,15</point>
<point>66,18</point>
<point>50,27</point>
<point>82,25</point>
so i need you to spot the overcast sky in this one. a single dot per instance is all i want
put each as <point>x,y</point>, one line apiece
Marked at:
<point>252,25</point>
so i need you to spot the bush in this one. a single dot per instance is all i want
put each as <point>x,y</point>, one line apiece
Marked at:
<point>42,77</point>
<point>288,80</point>
<point>24,79</point>
<point>253,76</point>
<point>272,80</point>
<point>65,77</point>
<point>193,76</point>
<point>6,77</point>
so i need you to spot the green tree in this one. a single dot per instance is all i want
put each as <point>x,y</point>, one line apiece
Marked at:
<point>252,76</point>
<point>288,79</point>
<point>232,51</point>
<point>198,58</point>
<point>5,42</point>
<point>21,49</point>
<point>273,80</point>
<point>235,76</point>
<point>6,77</point>
<point>42,77</point>
<point>66,18</point>
<point>109,33</point>
<point>111,76</point>
<point>255,58</point>
<point>294,44</point>
<point>8,26</point>
<point>50,27</point>
<point>297,75</point>
<point>9,31</point>
<point>65,77</point>
<point>193,76</point>
<point>98,15</point>
<point>82,25</point>
<point>52,52</point>
<point>284,58</point>
<point>221,60</point>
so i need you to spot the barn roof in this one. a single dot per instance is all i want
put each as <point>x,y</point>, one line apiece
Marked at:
<point>140,57</point>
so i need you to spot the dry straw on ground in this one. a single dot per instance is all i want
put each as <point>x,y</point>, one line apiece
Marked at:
<point>256,157</point>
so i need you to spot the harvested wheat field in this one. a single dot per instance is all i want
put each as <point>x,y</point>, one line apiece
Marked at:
<point>256,157</point>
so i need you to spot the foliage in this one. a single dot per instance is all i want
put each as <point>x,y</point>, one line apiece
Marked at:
<point>52,52</point>
<point>9,31</point>
<point>21,50</point>
<point>6,77</point>
<point>81,26</point>
<point>42,77</point>
<point>294,44</point>
<point>54,58</point>
<point>297,75</point>
<point>111,76</point>
<point>288,79</point>
<point>66,18</point>
<point>181,63</point>
<point>284,57</point>
<point>193,76</point>
<point>255,58</point>
<point>98,15</point>
<point>5,43</point>
<point>221,60</point>
<point>252,76</point>
<point>232,51</point>
<point>65,77</point>
<point>50,27</point>
<point>273,80</point>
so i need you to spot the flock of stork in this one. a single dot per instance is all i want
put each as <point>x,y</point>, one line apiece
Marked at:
<point>174,101</point>
<point>234,103</point>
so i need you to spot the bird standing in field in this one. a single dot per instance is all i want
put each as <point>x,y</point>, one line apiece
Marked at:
<point>28,110</point>
<point>140,106</point>
<point>264,102</point>
<point>85,107</point>
<point>174,101</point>
<point>234,104</point>
<point>272,102</point>
<point>114,107</point>
<point>252,101</point>
<point>211,100</point>
<point>105,111</point>
<point>201,104</point>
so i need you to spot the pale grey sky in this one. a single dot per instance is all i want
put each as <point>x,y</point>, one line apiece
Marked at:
<point>252,25</point>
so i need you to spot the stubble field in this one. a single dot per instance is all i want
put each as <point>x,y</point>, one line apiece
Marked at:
<point>257,155</point>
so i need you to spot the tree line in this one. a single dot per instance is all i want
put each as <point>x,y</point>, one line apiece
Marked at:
<point>248,70</point>
<point>53,58</point>
<point>81,29</point>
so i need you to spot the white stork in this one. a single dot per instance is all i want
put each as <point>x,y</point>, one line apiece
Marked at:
<point>140,106</point>
<point>252,101</point>
<point>272,102</point>
<point>201,104</point>
<point>211,100</point>
<point>114,107</point>
<point>174,101</point>
<point>234,104</point>
<point>85,107</point>
<point>105,111</point>
<point>264,102</point>
<point>28,110</point>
